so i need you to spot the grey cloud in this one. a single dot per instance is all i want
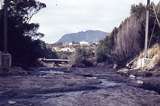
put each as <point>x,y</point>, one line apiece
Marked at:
<point>67,16</point>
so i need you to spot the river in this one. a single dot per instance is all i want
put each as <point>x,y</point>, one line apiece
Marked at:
<point>74,87</point>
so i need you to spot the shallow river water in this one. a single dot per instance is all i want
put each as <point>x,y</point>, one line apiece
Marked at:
<point>76,87</point>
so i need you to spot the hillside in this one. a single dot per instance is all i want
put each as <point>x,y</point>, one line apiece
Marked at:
<point>127,40</point>
<point>88,36</point>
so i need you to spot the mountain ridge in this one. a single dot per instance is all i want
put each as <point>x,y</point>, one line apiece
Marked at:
<point>88,36</point>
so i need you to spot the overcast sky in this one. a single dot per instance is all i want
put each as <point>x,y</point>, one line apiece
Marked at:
<point>69,16</point>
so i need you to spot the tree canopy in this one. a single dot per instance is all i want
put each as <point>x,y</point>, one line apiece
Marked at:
<point>23,37</point>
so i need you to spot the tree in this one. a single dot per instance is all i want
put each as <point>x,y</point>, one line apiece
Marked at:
<point>127,41</point>
<point>104,49</point>
<point>23,38</point>
<point>82,57</point>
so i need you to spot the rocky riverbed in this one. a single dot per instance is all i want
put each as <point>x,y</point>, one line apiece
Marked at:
<point>97,86</point>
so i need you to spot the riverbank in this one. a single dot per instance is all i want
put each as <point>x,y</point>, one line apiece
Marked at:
<point>96,86</point>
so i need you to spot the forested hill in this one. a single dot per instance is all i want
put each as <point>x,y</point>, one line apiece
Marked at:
<point>127,40</point>
<point>88,36</point>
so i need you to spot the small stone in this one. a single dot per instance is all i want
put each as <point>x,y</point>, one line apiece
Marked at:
<point>132,76</point>
<point>139,82</point>
<point>11,102</point>
<point>123,70</point>
<point>115,66</point>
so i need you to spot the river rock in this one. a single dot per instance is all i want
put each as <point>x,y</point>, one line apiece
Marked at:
<point>123,71</point>
<point>119,96</point>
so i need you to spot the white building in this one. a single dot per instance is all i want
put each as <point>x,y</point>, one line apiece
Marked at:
<point>70,44</point>
<point>84,43</point>
<point>66,49</point>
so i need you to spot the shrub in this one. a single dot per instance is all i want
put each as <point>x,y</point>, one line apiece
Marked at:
<point>104,49</point>
<point>82,57</point>
<point>101,53</point>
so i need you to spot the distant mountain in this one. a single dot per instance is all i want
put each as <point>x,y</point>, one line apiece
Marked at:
<point>88,36</point>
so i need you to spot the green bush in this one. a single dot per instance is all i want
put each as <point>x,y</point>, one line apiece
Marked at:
<point>101,53</point>
<point>104,50</point>
<point>82,57</point>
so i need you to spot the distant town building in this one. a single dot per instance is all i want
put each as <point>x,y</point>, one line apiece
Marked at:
<point>84,43</point>
<point>64,49</point>
<point>67,49</point>
<point>70,44</point>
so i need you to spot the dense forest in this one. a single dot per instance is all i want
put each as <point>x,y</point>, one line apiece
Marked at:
<point>23,37</point>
